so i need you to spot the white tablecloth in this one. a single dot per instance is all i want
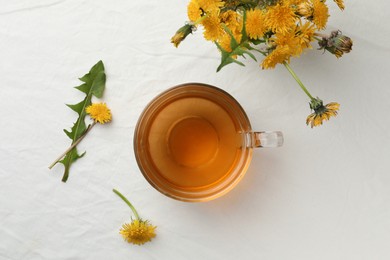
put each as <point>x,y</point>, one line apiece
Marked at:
<point>324,195</point>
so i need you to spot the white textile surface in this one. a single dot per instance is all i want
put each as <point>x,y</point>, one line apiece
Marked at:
<point>324,195</point>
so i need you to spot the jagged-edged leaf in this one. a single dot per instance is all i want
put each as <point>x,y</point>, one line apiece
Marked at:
<point>244,35</point>
<point>70,158</point>
<point>77,129</point>
<point>233,42</point>
<point>83,88</point>
<point>94,80</point>
<point>84,78</point>
<point>239,63</point>
<point>98,67</point>
<point>237,48</point>
<point>94,84</point>
<point>78,108</point>
<point>225,57</point>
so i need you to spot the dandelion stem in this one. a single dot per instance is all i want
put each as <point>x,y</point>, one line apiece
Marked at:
<point>199,20</point>
<point>321,35</point>
<point>318,39</point>
<point>127,202</point>
<point>73,145</point>
<point>298,80</point>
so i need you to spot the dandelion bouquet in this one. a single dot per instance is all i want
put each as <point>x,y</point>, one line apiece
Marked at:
<point>276,29</point>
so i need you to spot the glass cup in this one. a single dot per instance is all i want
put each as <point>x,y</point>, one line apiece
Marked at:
<point>194,142</point>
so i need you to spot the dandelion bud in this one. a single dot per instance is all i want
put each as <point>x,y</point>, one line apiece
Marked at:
<point>182,33</point>
<point>305,9</point>
<point>316,104</point>
<point>336,43</point>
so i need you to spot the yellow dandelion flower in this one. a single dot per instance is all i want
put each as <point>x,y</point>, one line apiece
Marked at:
<point>321,112</point>
<point>255,25</point>
<point>232,20</point>
<point>138,232</point>
<point>320,14</point>
<point>286,39</point>
<point>340,4</point>
<point>287,45</point>
<point>292,2</point>
<point>212,28</point>
<point>225,40</point>
<point>280,18</point>
<point>99,112</point>
<point>279,55</point>
<point>289,39</point>
<point>194,11</point>
<point>210,5</point>
<point>334,106</point>
<point>197,8</point>
<point>305,9</point>
<point>305,34</point>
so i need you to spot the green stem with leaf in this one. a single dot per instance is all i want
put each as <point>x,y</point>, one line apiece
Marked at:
<point>73,145</point>
<point>93,85</point>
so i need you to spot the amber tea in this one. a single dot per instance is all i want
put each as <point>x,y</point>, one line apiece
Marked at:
<point>193,142</point>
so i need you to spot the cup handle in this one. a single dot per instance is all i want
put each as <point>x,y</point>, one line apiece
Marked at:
<point>267,139</point>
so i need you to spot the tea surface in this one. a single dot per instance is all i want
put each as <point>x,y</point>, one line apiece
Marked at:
<point>194,143</point>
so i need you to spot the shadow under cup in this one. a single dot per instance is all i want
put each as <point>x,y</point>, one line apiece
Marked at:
<point>194,142</point>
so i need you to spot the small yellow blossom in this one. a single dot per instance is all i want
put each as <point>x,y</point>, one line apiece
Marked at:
<point>322,113</point>
<point>213,29</point>
<point>210,5</point>
<point>305,34</point>
<point>232,20</point>
<point>292,2</point>
<point>99,112</point>
<point>229,18</point>
<point>194,11</point>
<point>291,40</point>
<point>279,55</point>
<point>197,8</point>
<point>255,25</point>
<point>138,232</point>
<point>320,14</point>
<point>280,18</point>
<point>286,46</point>
<point>225,41</point>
